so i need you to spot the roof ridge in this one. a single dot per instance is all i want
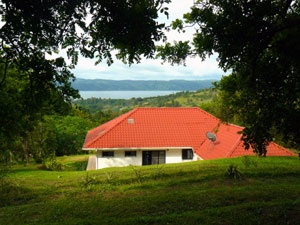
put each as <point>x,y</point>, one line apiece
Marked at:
<point>203,111</point>
<point>100,136</point>
<point>281,147</point>
<point>236,144</point>
<point>166,107</point>
<point>234,125</point>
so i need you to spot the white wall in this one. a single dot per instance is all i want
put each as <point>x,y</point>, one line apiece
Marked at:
<point>119,159</point>
<point>175,156</point>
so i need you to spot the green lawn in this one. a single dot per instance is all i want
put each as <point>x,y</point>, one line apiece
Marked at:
<point>189,193</point>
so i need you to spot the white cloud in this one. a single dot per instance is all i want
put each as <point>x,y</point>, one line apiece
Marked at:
<point>150,69</point>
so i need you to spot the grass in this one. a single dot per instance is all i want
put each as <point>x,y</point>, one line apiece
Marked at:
<point>75,162</point>
<point>188,193</point>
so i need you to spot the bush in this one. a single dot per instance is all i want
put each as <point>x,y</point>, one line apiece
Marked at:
<point>89,181</point>
<point>53,165</point>
<point>138,174</point>
<point>109,177</point>
<point>233,172</point>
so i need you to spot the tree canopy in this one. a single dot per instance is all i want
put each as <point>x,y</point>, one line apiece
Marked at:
<point>32,84</point>
<point>259,42</point>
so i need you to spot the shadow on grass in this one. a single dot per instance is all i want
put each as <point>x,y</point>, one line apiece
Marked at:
<point>14,194</point>
<point>75,166</point>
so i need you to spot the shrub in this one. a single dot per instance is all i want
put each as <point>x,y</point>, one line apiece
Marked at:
<point>53,165</point>
<point>89,181</point>
<point>138,174</point>
<point>158,172</point>
<point>109,177</point>
<point>233,172</point>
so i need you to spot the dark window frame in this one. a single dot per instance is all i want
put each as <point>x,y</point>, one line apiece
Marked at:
<point>187,154</point>
<point>153,157</point>
<point>130,154</point>
<point>110,154</point>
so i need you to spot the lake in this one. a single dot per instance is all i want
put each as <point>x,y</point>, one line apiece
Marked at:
<point>123,94</point>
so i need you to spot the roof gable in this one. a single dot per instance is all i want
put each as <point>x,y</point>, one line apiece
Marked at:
<point>98,132</point>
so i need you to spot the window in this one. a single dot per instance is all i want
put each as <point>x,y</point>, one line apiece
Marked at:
<point>108,154</point>
<point>187,153</point>
<point>154,157</point>
<point>158,157</point>
<point>130,153</point>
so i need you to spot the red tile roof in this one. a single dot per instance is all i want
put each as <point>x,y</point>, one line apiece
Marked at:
<point>172,127</point>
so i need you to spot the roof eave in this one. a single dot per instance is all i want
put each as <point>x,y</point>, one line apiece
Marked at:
<point>137,148</point>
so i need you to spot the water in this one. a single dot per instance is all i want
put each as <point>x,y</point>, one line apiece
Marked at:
<point>123,94</point>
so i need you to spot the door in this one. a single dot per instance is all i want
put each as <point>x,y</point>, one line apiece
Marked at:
<point>147,158</point>
<point>154,157</point>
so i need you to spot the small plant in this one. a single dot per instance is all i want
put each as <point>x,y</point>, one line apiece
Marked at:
<point>89,181</point>
<point>109,177</point>
<point>233,172</point>
<point>248,161</point>
<point>158,171</point>
<point>138,174</point>
<point>83,166</point>
<point>53,165</point>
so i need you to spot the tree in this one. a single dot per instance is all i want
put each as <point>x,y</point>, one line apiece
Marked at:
<point>31,84</point>
<point>21,112</point>
<point>258,41</point>
<point>70,132</point>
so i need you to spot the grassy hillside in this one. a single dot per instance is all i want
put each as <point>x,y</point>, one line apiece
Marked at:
<point>188,193</point>
<point>179,99</point>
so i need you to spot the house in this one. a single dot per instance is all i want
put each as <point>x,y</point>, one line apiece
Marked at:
<point>146,136</point>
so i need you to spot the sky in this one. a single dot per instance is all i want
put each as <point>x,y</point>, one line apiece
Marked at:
<point>153,69</point>
<point>150,69</point>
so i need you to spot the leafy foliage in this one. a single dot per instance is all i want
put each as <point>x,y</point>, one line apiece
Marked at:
<point>174,54</point>
<point>32,84</point>
<point>52,135</point>
<point>103,108</point>
<point>138,174</point>
<point>233,172</point>
<point>53,165</point>
<point>4,171</point>
<point>89,181</point>
<point>259,42</point>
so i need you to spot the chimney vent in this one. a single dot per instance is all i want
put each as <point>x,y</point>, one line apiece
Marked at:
<point>130,120</point>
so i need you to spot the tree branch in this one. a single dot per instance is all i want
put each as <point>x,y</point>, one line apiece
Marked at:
<point>5,67</point>
<point>5,71</point>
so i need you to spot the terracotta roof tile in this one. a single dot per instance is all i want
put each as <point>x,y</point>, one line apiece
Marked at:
<point>171,127</point>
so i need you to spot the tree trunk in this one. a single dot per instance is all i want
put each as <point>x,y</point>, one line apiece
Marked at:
<point>42,139</point>
<point>25,150</point>
<point>11,156</point>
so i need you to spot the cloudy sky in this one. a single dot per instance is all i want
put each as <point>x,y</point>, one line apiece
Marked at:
<point>153,69</point>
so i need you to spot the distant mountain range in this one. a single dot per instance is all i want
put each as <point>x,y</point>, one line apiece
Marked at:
<point>140,85</point>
